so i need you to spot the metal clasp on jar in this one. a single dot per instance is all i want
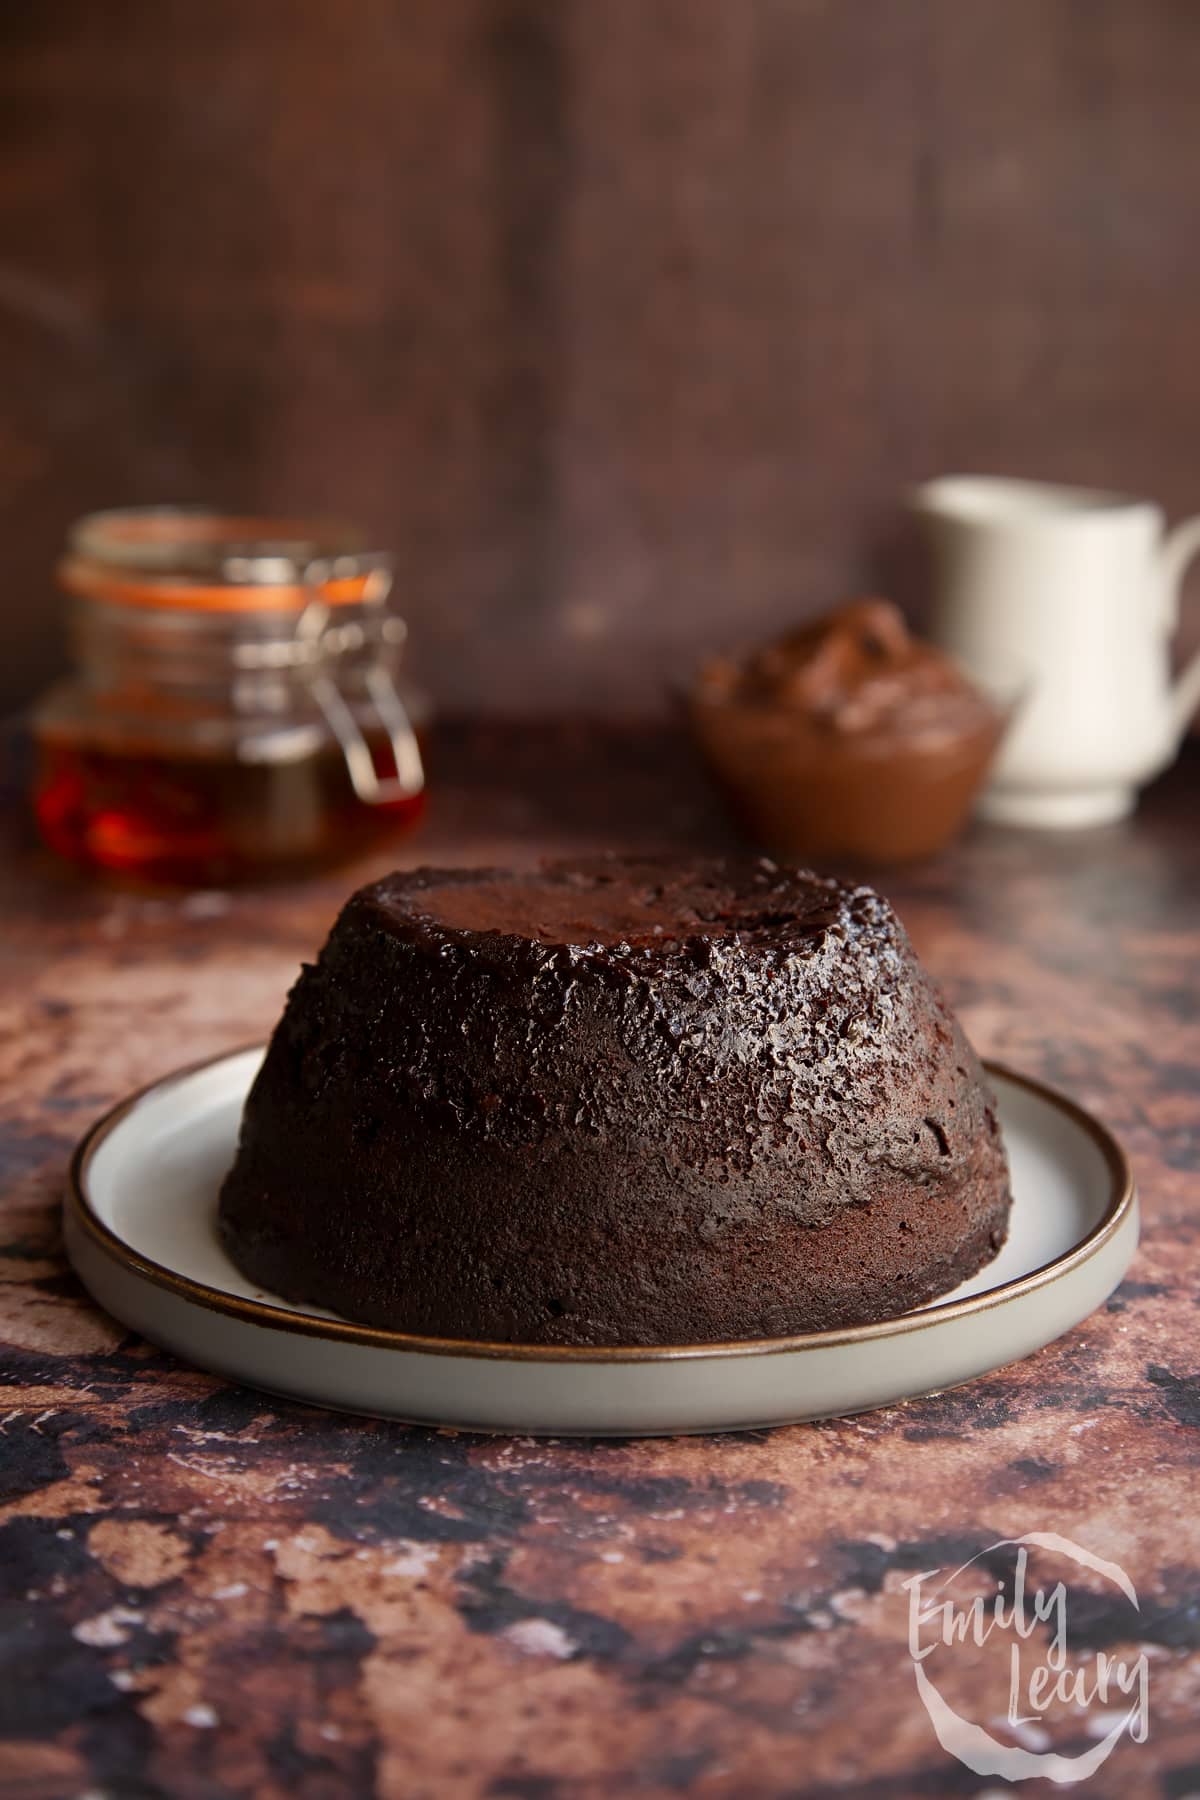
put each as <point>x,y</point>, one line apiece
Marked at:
<point>325,637</point>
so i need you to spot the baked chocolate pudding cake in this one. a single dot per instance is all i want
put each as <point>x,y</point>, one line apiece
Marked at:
<point>619,1103</point>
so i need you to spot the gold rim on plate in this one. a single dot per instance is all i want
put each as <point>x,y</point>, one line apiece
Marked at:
<point>279,1318</point>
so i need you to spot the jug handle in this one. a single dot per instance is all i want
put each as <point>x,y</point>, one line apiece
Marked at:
<point>1181,544</point>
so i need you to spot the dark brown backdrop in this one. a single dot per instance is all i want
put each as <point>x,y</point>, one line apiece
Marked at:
<point>623,320</point>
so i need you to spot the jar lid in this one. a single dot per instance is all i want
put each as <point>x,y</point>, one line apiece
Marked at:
<point>207,561</point>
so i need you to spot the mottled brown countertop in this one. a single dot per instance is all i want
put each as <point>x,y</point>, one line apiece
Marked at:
<point>211,1592</point>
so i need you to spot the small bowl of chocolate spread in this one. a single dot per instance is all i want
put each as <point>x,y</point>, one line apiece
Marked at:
<point>848,737</point>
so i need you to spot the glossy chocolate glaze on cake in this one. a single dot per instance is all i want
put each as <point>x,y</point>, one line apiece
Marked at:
<point>622,1103</point>
<point>575,908</point>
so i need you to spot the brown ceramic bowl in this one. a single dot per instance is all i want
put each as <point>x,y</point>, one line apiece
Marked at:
<point>888,797</point>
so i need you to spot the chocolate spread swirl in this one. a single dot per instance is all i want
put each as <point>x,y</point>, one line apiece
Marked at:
<point>847,737</point>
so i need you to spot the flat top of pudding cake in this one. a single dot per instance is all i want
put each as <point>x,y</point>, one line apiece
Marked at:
<point>611,901</point>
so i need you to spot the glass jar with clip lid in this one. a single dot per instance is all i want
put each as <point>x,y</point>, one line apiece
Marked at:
<point>236,709</point>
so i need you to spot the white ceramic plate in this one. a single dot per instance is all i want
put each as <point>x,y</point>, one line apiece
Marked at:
<point>140,1230</point>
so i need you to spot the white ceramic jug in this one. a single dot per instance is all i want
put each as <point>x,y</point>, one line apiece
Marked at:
<point>1078,590</point>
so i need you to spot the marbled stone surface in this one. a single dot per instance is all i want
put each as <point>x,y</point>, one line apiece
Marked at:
<point>209,1592</point>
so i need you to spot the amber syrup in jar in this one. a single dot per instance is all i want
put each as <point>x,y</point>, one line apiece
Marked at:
<point>237,710</point>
